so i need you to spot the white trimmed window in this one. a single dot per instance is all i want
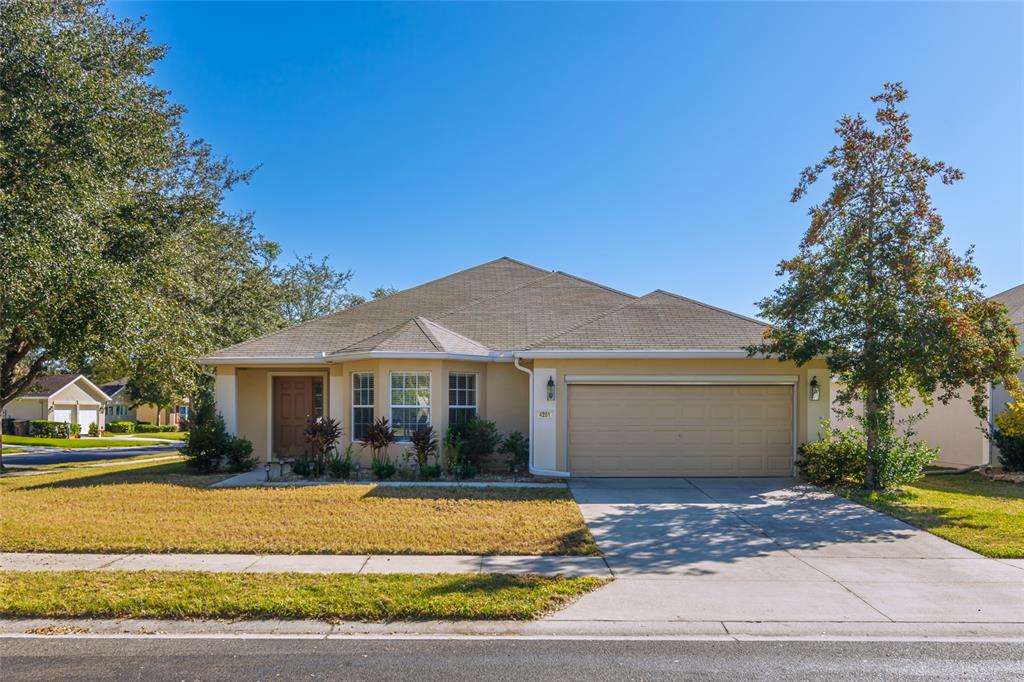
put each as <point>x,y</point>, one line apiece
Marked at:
<point>461,397</point>
<point>362,404</point>
<point>410,402</point>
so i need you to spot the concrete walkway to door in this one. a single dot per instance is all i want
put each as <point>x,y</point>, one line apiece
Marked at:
<point>745,550</point>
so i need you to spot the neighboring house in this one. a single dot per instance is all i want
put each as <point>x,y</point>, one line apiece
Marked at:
<point>61,398</point>
<point>954,427</point>
<point>120,407</point>
<point>605,383</point>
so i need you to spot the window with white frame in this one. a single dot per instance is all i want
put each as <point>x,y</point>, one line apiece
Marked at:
<point>461,397</point>
<point>362,404</point>
<point>410,402</point>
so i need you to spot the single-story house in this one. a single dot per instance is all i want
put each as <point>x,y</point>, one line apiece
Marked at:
<point>70,398</point>
<point>604,383</point>
<point>953,426</point>
<point>120,407</point>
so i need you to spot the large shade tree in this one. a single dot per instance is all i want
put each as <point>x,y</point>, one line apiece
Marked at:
<point>877,291</point>
<point>114,246</point>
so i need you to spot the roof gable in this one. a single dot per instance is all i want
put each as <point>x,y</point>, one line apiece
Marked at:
<point>660,321</point>
<point>344,328</point>
<point>51,385</point>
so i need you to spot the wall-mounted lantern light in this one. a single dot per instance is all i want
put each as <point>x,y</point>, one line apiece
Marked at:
<point>551,388</point>
<point>815,389</point>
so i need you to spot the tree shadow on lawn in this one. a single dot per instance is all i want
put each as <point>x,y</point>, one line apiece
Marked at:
<point>169,473</point>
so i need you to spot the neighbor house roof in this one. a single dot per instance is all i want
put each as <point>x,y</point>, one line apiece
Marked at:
<point>1013,299</point>
<point>112,388</point>
<point>501,307</point>
<point>51,384</point>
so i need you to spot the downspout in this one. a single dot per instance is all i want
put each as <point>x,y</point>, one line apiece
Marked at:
<point>515,362</point>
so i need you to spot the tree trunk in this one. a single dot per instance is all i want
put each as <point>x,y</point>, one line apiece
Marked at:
<point>872,412</point>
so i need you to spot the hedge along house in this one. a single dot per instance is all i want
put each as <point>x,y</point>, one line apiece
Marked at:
<point>70,398</point>
<point>605,383</point>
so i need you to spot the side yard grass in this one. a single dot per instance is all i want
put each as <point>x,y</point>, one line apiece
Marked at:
<point>161,507</point>
<point>188,594</point>
<point>981,515</point>
<point>75,443</point>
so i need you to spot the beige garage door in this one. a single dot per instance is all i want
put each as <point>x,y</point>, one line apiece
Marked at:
<point>623,430</point>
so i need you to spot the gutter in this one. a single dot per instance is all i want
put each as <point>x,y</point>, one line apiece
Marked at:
<point>634,354</point>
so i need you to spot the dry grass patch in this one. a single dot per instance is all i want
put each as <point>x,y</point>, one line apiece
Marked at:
<point>190,594</point>
<point>156,507</point>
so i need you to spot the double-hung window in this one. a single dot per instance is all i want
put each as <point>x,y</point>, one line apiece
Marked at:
<point>362,404</point>
<point>461,397</point>
<point>410,402</point>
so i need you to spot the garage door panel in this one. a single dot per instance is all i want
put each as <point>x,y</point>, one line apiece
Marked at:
<point>619,430</point>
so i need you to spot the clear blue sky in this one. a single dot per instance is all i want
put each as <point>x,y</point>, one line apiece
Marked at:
<point>642,146</point>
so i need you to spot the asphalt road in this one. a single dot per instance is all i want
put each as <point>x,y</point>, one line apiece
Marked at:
<point>155,659</point>
<point>89,454</point>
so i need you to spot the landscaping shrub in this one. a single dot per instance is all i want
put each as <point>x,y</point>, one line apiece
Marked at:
<point>238,455</point>
<point>455,460</point>
<point>900,461</point>
<point>76,430</point>
<point>478,437</point>
<point>43,428</point>
<point>836,459</point>
<point>841,457</point>
<point>209,446</point>
<point>516,448</point>
<point>424,447</point>
<point>383,469</point>
<point>322,434</point>
<point>146,427</point>
<point>168,428</point>
<point>379,435</point>
<point>340,467</point>
<point>94,430</point>
<point>307,467</point>
<point>1008,436</point>
<point>121,427</point>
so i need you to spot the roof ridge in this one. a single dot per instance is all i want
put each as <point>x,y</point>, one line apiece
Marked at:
<point>430,337</point>
<point>709,306</point>
<point>388,330</point>
<point>589,320</point>
<point>596,284</point>
<point>450,331</point>
<point>475,301</point>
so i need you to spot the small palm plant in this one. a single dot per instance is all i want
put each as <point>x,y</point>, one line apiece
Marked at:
<point>322,434</point>
<point>378,437</point>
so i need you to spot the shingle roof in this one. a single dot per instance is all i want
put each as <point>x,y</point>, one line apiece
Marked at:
<point>45,386</point>
<point>1013,299</point>
<point>112,388</point>
<point>344,328</point>
<point>660,321</point>
<point>506,305</point>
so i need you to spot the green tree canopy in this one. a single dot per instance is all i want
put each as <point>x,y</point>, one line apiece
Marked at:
<point>875,287</point>
<point>114,245</point>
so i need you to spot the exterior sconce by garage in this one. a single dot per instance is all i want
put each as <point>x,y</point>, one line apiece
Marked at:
<point>815,389</point>
<point>551,388</point>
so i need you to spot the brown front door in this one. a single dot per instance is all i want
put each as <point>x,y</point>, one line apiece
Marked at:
<point>293,405</point>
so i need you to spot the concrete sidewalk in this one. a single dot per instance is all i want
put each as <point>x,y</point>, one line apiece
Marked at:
<point>568,566</point>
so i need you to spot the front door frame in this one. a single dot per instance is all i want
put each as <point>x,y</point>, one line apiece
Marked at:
<point>324,374</point>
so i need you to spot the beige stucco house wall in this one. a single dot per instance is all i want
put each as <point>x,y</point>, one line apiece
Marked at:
<point>502,396</point>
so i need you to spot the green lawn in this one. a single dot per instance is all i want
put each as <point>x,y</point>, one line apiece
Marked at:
<point>161,507</point>
<point>981,515</point>
<point>189,594</point>
<point>75,443</point>
<point>11,451</point>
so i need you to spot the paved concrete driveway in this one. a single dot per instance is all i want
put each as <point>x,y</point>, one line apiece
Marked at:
<point>774,550</point>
